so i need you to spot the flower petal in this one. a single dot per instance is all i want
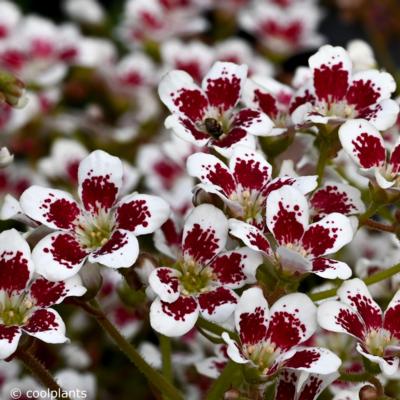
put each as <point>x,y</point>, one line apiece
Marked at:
<point>55,208</point>
<point>205,233</point>
<point>9,338</point>
<point>218,305</point>
<point>363,143</point>
<point>292,320</point>
<point>383,115</point>
<point>233,350</point>
<point>185,129</point>
<point>182,96</point>
<point>100,180</point>
<point>121,250</point>
<point>174,319</point>
<point>286,385</point>
<point>355,293</point>
<point>331,68</point>
<point>337,197</point>
<point>251,316</point>
<point>249,168</point>
<point>312,359</point>
<point>331,269</point>
<point>336,316</point>
<point>251,236</point>
<point>328,235</point>
<point>287,214</point>
<point>45,293</point>
<point>210,170</point>
<point>392,316</point>
<point>388,365</point>
<point>46,325</point>
<point>165,283</point>
<point>235,268</point>
<point>141,213</point>
<point>58,256</point>
<point>168,239</point>
<point>254,122</point>
<point>395,158</point>
<point>223,84</point>
<point>16,266</point>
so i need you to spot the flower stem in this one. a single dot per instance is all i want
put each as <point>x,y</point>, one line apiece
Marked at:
<point>370,280</point>
<point>165,346</point>
<point>223,382</point>
<point>371,224</point>
<point>41,372</point>
<point>155,379</point>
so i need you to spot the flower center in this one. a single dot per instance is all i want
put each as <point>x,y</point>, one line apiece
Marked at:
<point>340,109</point>
<point>213,127</point>
<point>14,312</point>
<point>251,205</point>
<point>262,355</point>
<point>94,231</point>
<point>377,341</point>
<point>195,278</point>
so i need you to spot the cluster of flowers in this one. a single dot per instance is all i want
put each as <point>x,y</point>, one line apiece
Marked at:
<point>271,206</point>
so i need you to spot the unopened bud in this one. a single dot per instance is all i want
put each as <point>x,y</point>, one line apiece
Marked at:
<point>368,392</point>
<point>12,90</point>
<point>6,158</point>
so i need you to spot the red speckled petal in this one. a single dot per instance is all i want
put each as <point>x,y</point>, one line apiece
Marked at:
<point>336,316</point>
<point>58,256</point>
<point>250,169</point>
<point>205,233</point>
<point>331,68</point>
<point>363,143</point>
<point>46,325</point>
<point>223,84</point>
<point>251,236</point>
<point>286,385</point>
<point>328,235</point>
<point>16,265</point>
<point>355,293</point>
<point>211,170</point>
<point>395,158</point>
<point>251,316</point>
<point>100,180</point>
<point>45,293</point>
<point>218,305</point>
<point>141,213</point>
<point>55,208</point>
<point>392,316</point>
<point>9,338</point>
<point>165,283</point>
<point>287,214</point>
<point>292,320</point>
<point>331,269</point>
<point>235,268</point>
<point>121,250</point>
<point>174,319</point>
<point>254,122</point>
<point>182,96</point>
<point>315,384</point>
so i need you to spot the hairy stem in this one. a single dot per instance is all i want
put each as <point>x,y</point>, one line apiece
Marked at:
<point>165,346</point>
<point>40,372</point>
<point>154,378</point>
<point>370,280</point>
<point>371,224</point>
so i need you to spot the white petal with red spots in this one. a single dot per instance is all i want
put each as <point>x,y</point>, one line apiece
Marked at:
<point>233,350</point>
<point>55,208</point>
<point>165,283</point>
<point>331,269</point>
<point>174,319</point>
<point>9,338</point>
<point>217,305</point>
<point>100,180</point>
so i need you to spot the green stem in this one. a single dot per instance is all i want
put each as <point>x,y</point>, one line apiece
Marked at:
<point>165,347</point>
<point>322,160</point>
<point>214,328</point>
<point>223,382</point>
<point>373,207</point>
<point>41,372</point>
<point>370,280</point>
<point>156,379</point>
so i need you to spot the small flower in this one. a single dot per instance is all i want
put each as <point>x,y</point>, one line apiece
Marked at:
<point>365,145</point>
<point>335,94</point>
<point>300,246</point>
<point>245,184</point>
<point>270,339</point>
<point>24,300</point>
<point>101,229</point>
<point>12,90</point>
<point>358,315</point>
<point>203,276</point>
<point>209,115</point>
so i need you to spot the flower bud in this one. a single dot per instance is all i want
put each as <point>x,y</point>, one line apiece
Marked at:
<point>368,392</point>
<point>6,158</point>
<point>12,90</point>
